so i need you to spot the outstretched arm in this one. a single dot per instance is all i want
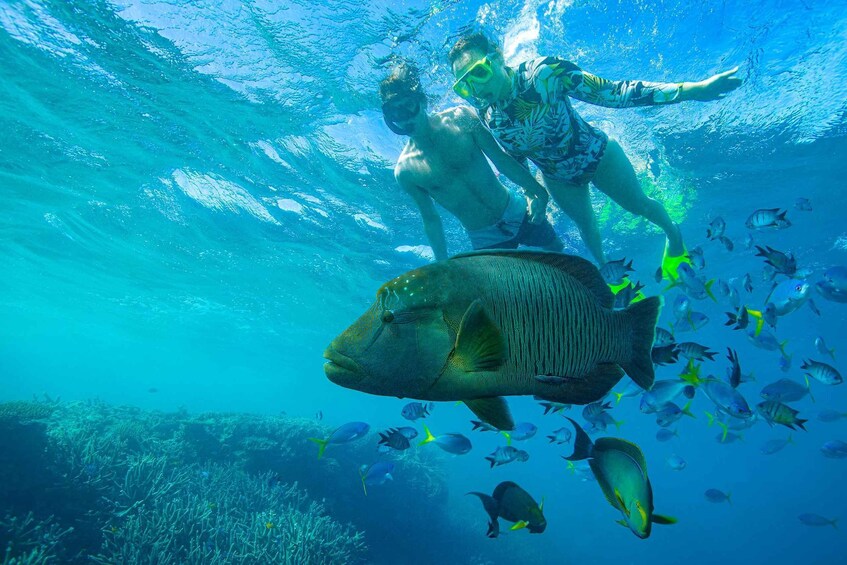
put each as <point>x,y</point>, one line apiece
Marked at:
<point>433,227</point>
<point>555,77</point>
<point>506,164</point>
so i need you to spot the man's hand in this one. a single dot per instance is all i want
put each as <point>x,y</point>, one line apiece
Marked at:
<point>536,209</point>
<point>713,88</point>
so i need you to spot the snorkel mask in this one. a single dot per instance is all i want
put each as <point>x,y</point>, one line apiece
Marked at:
<point>478,73</point>
<point>397,114</point>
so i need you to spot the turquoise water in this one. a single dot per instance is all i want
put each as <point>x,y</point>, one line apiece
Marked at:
<point>196,197</point>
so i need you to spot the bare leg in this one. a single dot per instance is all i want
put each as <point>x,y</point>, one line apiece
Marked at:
<point>575,201</point>
<point>616,178</point>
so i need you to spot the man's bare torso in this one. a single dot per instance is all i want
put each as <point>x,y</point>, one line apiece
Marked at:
<point>450,167</point>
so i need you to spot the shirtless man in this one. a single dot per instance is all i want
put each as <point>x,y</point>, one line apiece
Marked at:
<point>444,161</point>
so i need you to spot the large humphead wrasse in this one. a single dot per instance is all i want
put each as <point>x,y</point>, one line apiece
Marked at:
<point>483,325</point>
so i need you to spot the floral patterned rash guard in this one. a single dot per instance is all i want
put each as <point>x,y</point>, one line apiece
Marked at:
<point>537,122</point>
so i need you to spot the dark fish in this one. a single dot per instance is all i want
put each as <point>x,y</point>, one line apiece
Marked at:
<point>716,228</point>
<point>659,275</point>
<point>693,350</point>
<point>821,372</point>
<point>803,204</point>
<point>593,411</point>
<point>830,292</point>
<point>621,471</point>
<point>817,520</point>
<point>342,434</point>
<point>152,390</point>
<point>665,355</point>
<point>483,325</point>
<point>748,283</point>
<point>670,413</point>
<point>775,412</point>
<point>394,439</point>
<point>718,496</point>
<point>663,337</point>
<point>727,243</point>
<point>784,263</point>
<point>513,504</point>
<point>626,295</point>
<point>320,415</point>
<point>733,372</point>
<point>767,218</point>
<point>613,272</point>
<point>738,321</point>
<point>417,410</point>
<point>506,454</point>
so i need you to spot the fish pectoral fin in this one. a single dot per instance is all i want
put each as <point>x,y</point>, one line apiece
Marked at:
<point>479,343</point>
<point>519,525</point>
<point>492,410</point>
<point>621,503</point>
<point>622,522</point>
<point>664,520</point>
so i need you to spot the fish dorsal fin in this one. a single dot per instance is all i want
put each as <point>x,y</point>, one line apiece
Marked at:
<point>479,343</point>
<point>581,269</point>
<point>492,410</point>
<point>626,447</point>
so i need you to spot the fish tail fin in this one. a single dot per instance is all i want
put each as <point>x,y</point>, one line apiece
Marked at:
<point>834,523</point>
<point>618,396</point>
<point>725,429</point>
<point>760,321</point>
<point>618,423</point>
<point>663,520</point>
<point>687,410</point>
<point>428,407</point>
<point>782,345</point>
<point>643,316</point>
<point>729,498</point>
<point>490,460</point>
<point>364,487</point>
<point>710,419</point>
<point>322,443</point>
<point>508,437</point>
<point>583,447</point>
<point>571,466</point>
<point>708,287</point>
<point>800,422</point>
<point>429,437</point>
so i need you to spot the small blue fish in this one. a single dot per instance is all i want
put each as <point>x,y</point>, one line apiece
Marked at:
<point>416,410</point>
<point>727,243</point>
<point>681,306</point>
<point>817,520</point>
<point>676,462</point>
<point>691,323</point>
<point>693,285</point>
<point>343,434</point>
<point>670,413</point>
<point>831,293</point>
<point>836,278</point>
<point>666,434</point>
<point>716,228</point>
<point>820,345</point>
<point>835,449</point>
<point>377,474</point>
<point>775,445</point>
<point>718,496</point>
<point>663,338</point>
<point>785,390</point>
<point>830,416</point>
<point>560,436</point>
<point>726,398</point>
<point>697,257</point>
<point>803,205</point>
<point>695,351</point>
<point>664,391</point>
<point>789,295</point>
<point>522,432</point>
<point>766,340</point>
<point>457,444</point>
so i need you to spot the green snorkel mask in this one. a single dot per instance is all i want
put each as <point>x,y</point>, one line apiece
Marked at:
<point>478,73</point>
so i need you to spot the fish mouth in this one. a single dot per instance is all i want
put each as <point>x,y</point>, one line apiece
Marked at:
<point>340,368</point>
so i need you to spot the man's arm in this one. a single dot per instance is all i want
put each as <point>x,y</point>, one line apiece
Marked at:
<point>431,220</point>
<point>555,77</point>
<point>506,164</point>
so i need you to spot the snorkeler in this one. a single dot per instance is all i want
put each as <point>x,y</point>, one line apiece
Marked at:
<point>528,111</point>
<point>445,161</point>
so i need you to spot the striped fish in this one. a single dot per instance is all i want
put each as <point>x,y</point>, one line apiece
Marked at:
<point>489,324</point>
